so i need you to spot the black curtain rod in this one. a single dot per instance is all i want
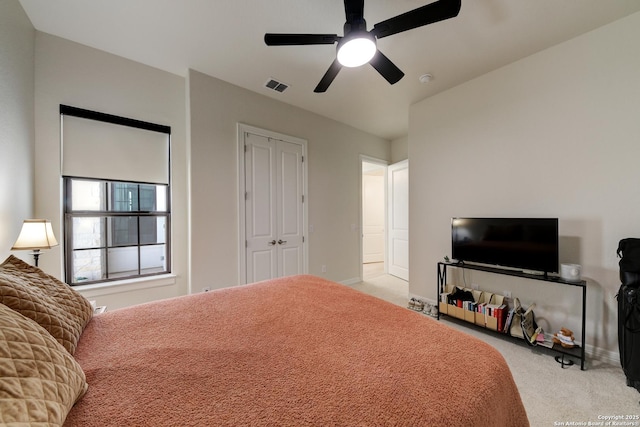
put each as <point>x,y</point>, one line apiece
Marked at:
<point>110,118</point>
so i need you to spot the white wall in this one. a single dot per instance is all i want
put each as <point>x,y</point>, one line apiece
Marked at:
<point>333,170</point>
<point>73,74</point>
<point>17,45</point>
<point>553,135</point>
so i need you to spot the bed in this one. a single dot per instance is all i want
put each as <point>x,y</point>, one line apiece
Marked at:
<point>293,351</point>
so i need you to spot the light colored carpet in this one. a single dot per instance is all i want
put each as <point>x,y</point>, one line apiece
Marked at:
<point>552,396</point>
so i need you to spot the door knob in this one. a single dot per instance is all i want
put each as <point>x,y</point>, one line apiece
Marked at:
<point>281,242</point>
<point>271,243</point>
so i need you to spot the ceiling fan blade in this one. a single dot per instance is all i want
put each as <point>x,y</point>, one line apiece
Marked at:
<point>299,39</point>
<point>328,77</point>
<point>354,10</point>
<point>428,14</point>
<point>386,68</point>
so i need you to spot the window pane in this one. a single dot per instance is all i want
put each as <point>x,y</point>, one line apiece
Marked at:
<point>88,265</point>
<point>88,232</point>
<point>123,231</point>
<point>152,230</point>
<point>124,197</point>
<point>153,259</point>
<point>123,262</point>
<point>87,195</point>
<point>148,198</point>
<point>161,198</point>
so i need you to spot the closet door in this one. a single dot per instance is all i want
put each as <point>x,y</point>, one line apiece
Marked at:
<point>289,212</point>
<point>273,208</point>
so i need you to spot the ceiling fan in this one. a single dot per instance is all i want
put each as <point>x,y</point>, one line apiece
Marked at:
<point>358,46</point>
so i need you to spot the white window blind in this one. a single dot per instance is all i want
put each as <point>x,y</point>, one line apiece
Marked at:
<point>100,147</point>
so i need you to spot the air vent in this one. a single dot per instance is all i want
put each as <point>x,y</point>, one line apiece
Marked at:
<point>276,85</point>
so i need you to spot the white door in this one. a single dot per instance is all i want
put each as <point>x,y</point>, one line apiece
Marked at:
<point>273,208</point>
<point>398,197</point>
<point>373,215</point>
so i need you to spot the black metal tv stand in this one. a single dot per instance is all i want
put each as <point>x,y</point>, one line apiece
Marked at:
<point>577,351</point>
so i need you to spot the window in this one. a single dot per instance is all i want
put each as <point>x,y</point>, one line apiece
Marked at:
<point>116,197</point>
<point>115,230</point>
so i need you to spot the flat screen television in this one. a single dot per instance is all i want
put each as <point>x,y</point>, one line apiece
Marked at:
<point>521,243</point>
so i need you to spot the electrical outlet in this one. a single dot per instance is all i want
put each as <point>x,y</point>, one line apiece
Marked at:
<point>507,294</point>
<point>206,289</point>
<point>474,286</point>
<point>324,268</point>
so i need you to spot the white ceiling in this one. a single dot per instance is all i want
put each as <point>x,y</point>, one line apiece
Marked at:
<point>224,39</point>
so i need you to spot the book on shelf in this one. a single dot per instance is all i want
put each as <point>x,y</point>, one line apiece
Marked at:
<point>480,308</point>
<point>496,311</point>
<point>547,340</point>
<point>507,323</point>
<point>490,309</point>
<point>500,316</point>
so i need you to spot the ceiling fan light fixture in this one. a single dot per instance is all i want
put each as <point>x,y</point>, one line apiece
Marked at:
<point>356,50</point>
<point>358,46</point>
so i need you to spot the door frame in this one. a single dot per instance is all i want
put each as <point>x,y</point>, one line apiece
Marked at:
<point>243,128</point>
<point>368,159</point>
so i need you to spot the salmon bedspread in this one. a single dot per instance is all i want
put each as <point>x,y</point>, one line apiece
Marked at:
<point>295,351</point>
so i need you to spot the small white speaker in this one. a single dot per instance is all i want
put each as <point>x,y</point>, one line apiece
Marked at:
<point>570,272</point>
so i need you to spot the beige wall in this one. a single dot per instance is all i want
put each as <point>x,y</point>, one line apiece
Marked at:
<point>333,163</point>
<point>17,44</point>
<point>553,135</point>
<point>73,74</point>
<point>400,149</point>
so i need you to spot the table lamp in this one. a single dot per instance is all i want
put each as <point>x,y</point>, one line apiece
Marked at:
<point>36,234</point>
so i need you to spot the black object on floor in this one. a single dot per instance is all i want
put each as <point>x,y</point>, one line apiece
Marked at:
<point>629,310</point>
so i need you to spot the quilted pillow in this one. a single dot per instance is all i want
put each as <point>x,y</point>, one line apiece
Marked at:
<point>52,304</point>
<point>39,380</point>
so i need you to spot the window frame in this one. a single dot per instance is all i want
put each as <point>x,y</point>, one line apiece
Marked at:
<point>108,242</point>
<point>69,214</point>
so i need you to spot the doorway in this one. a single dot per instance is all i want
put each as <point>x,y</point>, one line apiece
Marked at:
<point>374,217</point>
<point>384,218</point>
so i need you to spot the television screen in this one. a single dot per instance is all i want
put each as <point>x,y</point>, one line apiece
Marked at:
<point>524,243</point>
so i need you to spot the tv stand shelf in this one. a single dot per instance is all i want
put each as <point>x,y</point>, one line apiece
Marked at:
<point>578,351</point>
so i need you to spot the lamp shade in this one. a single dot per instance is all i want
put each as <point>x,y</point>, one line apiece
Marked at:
<point>35,234</point>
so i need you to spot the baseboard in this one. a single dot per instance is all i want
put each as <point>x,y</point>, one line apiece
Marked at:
<point>607,356</point>
<point>350,282</point>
